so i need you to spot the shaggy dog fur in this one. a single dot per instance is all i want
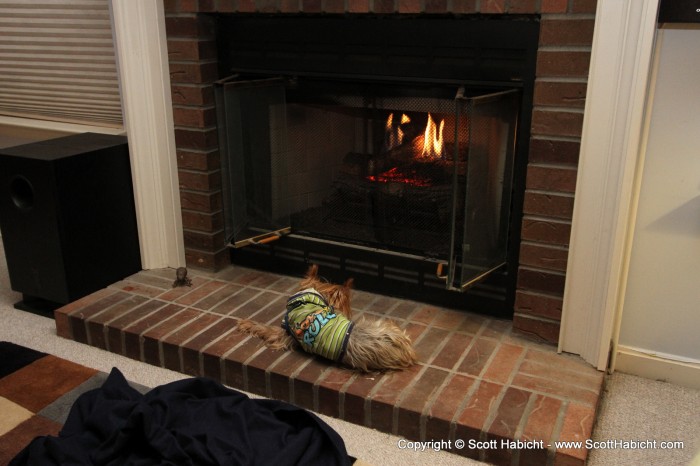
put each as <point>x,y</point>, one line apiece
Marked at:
<point>372,344</point>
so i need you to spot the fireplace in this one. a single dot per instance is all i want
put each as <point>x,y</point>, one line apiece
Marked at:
<point>393,139</point>
<point>554,122</point>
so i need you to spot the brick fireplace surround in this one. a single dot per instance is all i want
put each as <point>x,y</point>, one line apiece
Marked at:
<point>566,32</point>
<point>479,378</point>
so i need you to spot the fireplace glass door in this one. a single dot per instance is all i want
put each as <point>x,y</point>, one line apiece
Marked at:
<point>402,168</point>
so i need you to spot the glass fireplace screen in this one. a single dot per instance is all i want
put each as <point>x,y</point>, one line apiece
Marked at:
<point>420,170</point>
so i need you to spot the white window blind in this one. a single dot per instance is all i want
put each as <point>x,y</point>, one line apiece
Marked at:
<point>57,61</point>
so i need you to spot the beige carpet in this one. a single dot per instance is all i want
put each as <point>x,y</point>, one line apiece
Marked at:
<point>632,409</point>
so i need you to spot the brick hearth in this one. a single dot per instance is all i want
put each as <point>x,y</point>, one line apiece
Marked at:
<point>477,380</point>
<point>566,32</point>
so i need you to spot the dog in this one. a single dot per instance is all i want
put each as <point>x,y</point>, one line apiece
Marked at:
<point>318,318</point>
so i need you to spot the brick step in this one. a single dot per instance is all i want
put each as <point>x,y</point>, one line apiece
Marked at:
<point>477,381</point>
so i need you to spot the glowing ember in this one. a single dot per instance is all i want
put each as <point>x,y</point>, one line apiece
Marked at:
<point>395,176</point>
<point>432,139</point>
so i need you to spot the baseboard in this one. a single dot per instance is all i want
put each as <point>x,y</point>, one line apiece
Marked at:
<point>657,367</point>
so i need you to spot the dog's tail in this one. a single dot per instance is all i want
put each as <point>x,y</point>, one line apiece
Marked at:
<point>275,338</point>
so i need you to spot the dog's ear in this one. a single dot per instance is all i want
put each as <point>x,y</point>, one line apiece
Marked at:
<point>312,272</point>
<point>349,283</point>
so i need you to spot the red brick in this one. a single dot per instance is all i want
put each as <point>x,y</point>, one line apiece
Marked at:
<point>212,354</point>
<point>199,161</point>
<point>452,352</point>
<point>583,6</point>
<point>171,343</point>
<point>196,139</point>
<point>356,396</point>
<point>289,6</point>
<point>202,221</point>
<point>477,357</point>
<point>464,6</point>
<point>265,301</point>
<point>436,6</point>
<point>570,64</point>
<point>504,363</point>
<point>191,49</point>
<point>562,180</point>
<point>539,427</point>
<point>279,378</point>
<point>539,280</point>
<point>384,6</point>
<point>446,406</point>
<point>521,6</point>
<point>204,240</point>
<point>493,6</point>
<point>304,381</point>
<point>545,329</point>
<point>416,400</point>
<point>192,94</point>
<point>234,362</point>
<point>426,347</point>
<point>358,6</point>
<point>192,349</point>
<point>61,315</point>
<point>196,117</point>
<point>311,6</point>
<point>546,231</point>
<point>208,260</point>
<point>227,299</point>
<point>549,151</point>
<point>471,422</point>
<point>560,94</point>
<point>115,335</point>
<point>257,368</point>
<point>96,324</point>
<point>410,6</point>
<point>578,425</point>
<point>385,396</point>
<point>199,181</point>
<point>333,6</point>
<point>329,388</point>
<point>561,32</point>
<point>543,256</point>
<point>504,425</point>
<point>151,338</point>
<point>538,304</point>
<point>449,319</point>
<point>549,205</point>
<point>554,6</point>
<point>557,123</point>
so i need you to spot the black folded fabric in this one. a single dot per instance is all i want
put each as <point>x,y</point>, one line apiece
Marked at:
<point>193,421</point>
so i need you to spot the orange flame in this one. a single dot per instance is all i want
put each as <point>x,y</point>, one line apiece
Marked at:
<point>394,133</point>
<point>432,139</point>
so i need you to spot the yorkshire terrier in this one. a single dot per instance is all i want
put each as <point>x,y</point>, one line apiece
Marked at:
<point>318,318</point>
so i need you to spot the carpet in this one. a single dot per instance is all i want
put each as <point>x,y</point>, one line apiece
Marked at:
<point>37,391</point>
<point>42,395</point>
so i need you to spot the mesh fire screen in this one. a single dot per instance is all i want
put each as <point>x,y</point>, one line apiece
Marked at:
<point>410,169</point>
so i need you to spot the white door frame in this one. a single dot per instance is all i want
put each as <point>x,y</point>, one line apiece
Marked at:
<point>142,59</point>
<point>621,59</point>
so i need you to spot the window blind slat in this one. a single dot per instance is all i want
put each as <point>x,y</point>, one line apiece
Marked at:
<point>57,61</point>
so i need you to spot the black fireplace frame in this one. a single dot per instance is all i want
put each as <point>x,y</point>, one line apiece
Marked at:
<point>490,53</point>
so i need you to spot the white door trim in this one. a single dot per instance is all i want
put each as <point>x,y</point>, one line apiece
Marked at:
<point>623,44</point>
<point>142,60</point>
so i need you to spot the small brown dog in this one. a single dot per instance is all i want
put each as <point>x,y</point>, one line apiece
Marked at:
<point>317,318</point>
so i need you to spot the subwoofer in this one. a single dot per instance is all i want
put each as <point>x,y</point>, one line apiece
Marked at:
<point>67,217</point>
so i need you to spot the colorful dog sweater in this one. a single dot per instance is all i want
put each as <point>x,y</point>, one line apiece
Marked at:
<point>316,326</point>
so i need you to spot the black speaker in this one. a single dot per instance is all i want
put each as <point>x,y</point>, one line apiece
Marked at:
<point>67,217</point>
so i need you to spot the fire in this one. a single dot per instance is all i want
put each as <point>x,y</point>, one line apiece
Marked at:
<point>433,142</point>
<point>394,134</point>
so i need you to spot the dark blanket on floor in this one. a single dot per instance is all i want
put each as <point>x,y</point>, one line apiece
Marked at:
<point>189,422</point>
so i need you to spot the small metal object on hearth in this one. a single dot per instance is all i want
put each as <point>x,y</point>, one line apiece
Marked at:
<point>181,278</point>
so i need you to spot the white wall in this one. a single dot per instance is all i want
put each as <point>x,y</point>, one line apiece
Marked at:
<point>661,311</point>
